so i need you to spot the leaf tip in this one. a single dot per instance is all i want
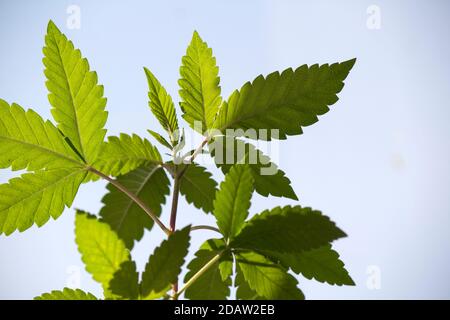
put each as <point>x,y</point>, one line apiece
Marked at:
<point>51,27</point>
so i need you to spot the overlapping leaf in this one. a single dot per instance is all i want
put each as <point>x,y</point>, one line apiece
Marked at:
<point>125,153</point>
<point>151,185</point>
<point>125,282</point>
<point>27,142</point>
<point>233,200</point>
<point>198,187</point>
<point>243,290</point>
<point>66,294</point>
<point>322,264</point>
<point>102,251</point>
<point>266,279</point>
<point>77,100</point>
<point>164,265</point>
<point>286,101</point>
<point>269,180</point>
<point>288,230</point>
<point>214,284</point>
<point>33,198</point>
<point>200,90</point>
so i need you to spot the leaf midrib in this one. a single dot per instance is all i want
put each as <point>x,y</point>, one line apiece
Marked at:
<point>60,155</point>
<point>130,203</point>
<point>43,189</point>
<point>70,89</point>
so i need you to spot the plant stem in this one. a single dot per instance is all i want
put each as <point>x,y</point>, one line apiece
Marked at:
<point>133,197</point>
<point>195,154</point>
<point>173,212</point>
<point>198,274</point>
<point>204,227</point>
<point>173,217</point>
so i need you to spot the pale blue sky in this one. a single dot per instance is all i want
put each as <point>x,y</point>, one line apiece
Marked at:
<point>378,163</point>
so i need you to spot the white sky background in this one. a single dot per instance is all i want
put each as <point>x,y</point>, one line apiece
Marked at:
<point>378,163</point>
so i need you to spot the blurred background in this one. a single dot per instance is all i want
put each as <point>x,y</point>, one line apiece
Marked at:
<point>378,163</point>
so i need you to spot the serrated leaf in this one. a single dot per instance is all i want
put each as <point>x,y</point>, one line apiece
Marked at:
<point>287,229</point>
<point>33,198</point>
<point>322,264</point>
<point>77,100</point>
<point>286,102</point>
<point>269,180</point>
<point>66,294</point>
<point>243,290</point>
<point>198,187</point>
<point>164,265</point>
<point>233,200</point>
<point>160,139</point>
<point>266,278</point>
<point>102,251</point>
<point>125,282</point>
<point>151,185</point>
<point>27,142</point>
<point>125,153</point>
<point>199,83</point>
<point>162,106</point>
<point>215,283</point>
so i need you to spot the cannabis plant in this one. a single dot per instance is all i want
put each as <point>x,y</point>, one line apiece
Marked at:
<point>261,253</point>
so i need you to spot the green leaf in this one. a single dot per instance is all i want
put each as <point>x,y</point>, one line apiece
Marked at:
<point>288,229</point>
<point>125,282</point>
<point>269,180</point>
<point>322,264</point>
<point>200,90</point>
<point>233,200</point>
<point>215,283</point>
<point>77,100</point>
<point>33,198</point>
<point>243,290</point>
<point>286,101</point>
<point>160,139</point>
<point>266,278</point>
<point>164,265</point>
<point>66,294</point>
<point>151,185</point>
<point>125,153</point>
<point>101,249</point>
<point>27,142</point>
<point>162,106</point>
<point>198,187</point>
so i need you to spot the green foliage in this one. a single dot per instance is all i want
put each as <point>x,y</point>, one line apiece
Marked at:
<point>27,142</point>
<point>261,253</point>
<point>162,269</point>
<point>165,264</point>
<point>269,180</point>
<point>198,187</point>
<point>287,230</point>
<point>125,217</point>
<point>322,264</point>
<point>102,251</point>
<point>162,107</point>
<point>125,282</point>
<point>33,198</point>
<point>125,153</point>
<point>214,284</point>
<point>267,279</point>
<point>200,90</point>
<point>286,101</point>
<point>77,100</point>
<point>66,294</point>
<point>233,200</point>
